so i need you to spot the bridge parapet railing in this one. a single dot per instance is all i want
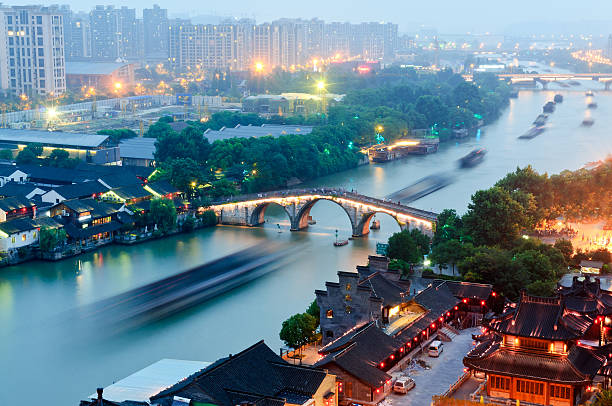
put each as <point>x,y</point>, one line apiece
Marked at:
<point>339,192</point>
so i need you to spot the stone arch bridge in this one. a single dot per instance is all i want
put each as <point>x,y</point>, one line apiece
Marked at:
<point>249,210</point>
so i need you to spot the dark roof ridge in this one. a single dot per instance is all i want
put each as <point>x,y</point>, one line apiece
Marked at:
<point>206,370</point>
<point>254,394</point>
<point>287,364</point>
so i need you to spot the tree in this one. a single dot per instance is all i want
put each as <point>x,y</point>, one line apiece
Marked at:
<point>450,252</point>
<point>159,129</point>
<point>566,248</point>
<point>603,398</point>
<point>50,238</point>
<point>163,214</point>
<point>6,154</point>
<point>298,330</point>
<point>448,227</point>
<point>116,135</point>
<point>29,154</point>
<point>182,173</point>
<point>60,158</point>
<point>188,144</point>
<point>494,218</point>
<point>409,246</point>
<point>314,311</point>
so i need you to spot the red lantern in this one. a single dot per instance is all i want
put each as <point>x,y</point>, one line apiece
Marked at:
<point>392,357</point>
<point>382,364</point>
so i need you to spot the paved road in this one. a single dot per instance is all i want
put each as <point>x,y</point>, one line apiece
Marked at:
<point>444,371</point>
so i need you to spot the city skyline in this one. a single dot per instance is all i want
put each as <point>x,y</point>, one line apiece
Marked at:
<point>449,17</point>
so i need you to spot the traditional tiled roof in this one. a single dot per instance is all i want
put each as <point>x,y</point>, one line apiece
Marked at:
<point>131,192</point>
<point>359,352</point>
<point>96,208</point>
<point>470,290</point>
<point>18,189</point>
<point>18,225</point>
<point>383,288</point>
<point>256,375</point>
<point>80,190</point>
<point>75,232</point>
<point>162,187</point>
<point>437,299</point>
<point>579,366</point>
<point>16,202</point>
<point>543,318</point>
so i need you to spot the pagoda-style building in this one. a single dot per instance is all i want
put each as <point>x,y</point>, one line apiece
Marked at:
<point>547,351</point>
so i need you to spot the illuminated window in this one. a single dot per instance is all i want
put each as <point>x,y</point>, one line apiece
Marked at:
<point>23,237</point>
<point>499,382</point>
<point>348,286</point>
<point>347,297</point>
<point>530,387</point>
<point>34,235</point>
<point>559,392</point>
<point>348,309</point>
<point>330,314</point>
<point>13,240</point>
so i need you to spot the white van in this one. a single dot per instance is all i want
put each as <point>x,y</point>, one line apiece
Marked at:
<point>435,348</point>
<point>403,385</point>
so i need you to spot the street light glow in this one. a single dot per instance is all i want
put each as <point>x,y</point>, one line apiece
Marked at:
<point>51,113</point>
<point>320,85</point>
<point>118,85</point>
<point>259,66</point>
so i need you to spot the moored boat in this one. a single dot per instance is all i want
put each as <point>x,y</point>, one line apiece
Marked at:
<point>589,93</point>
<point>592,105</point>
<point>558,98</point>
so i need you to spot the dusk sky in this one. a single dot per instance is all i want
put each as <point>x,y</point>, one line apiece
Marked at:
<point>450,16</point>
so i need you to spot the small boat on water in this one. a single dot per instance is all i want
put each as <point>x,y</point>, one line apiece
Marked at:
<point>311,221</point>
<point>592,105</point>
<point>532,133</point>
<point>563,84</point>
<point>540,120</point>
<point>587,122</point>
<point>549,107</point>
<point>375,225</point>
<point>558,98</point>
<point>473,158</point>
<point>340,243</point>
<point>574,83</point>
<point>589,93</point>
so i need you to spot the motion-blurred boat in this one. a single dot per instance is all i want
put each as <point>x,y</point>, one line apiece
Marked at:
<point>592,105</point>
<point>558,98</point>
<point>473,158</point>
<point>549,107</point>
<point>587,122</point>
<point>540,120</point>
<point>421,188</point>
<point>532,133</point>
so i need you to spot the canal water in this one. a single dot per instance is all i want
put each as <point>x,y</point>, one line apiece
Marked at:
<point>46,356</point>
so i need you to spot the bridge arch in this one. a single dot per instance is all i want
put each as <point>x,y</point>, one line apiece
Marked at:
<point>301,219</point>
<point>363,227</point>
<point>259,212</point>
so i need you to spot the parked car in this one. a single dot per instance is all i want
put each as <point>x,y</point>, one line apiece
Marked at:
<point>435,348</point>
<point>403,385</point>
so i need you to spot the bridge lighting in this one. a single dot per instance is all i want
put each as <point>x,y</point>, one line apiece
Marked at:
<point>118,85</point>
<point>51,113</point>
<point>380,128</point>
<point>321,85</point>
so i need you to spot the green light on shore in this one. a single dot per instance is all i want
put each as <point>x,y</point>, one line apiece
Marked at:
<point>478,116</point>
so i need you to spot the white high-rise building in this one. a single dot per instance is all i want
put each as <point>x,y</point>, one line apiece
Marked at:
<point>32,51</point>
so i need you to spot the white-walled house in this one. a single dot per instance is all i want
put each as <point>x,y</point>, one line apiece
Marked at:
<point>10,173</point>
<point>23,232</point>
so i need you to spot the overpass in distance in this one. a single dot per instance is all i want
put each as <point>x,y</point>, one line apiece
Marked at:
<point>545,78</point>
<point>249,210</point>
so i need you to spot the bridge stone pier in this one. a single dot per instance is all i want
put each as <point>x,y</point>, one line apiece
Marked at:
<point>249,210</point>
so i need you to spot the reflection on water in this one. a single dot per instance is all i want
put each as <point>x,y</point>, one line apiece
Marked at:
<point>40,347</point>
